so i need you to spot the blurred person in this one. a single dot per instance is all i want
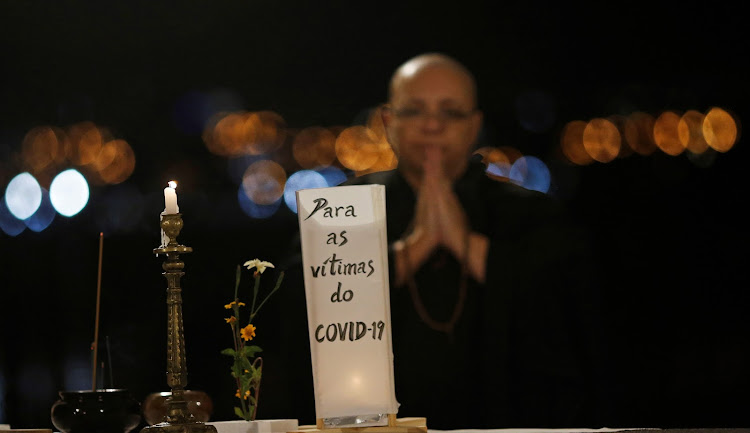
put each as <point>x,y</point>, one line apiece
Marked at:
<point>493,308</point>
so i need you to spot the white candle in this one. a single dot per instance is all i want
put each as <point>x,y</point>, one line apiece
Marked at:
<point>170,199</point>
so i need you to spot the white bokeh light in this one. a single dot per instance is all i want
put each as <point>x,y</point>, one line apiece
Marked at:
<point>69,192</point>
<point>23,196</point>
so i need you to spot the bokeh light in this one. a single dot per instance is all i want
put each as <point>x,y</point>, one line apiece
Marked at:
<point>357,148</point>
<point>263,181</point>
<point>498,160</point>
<point>666,136</point>
<point>531,173</point>
<point>86,141</point>
<point>690,132</point>
<point>571,143</point>
<point>9,224</point>
<point>314,147</point>
<point>720,129</point>
<point>302,179</point>
<point>23,195</point>
<point>333,175</point>
<point>671,132</point>
<point>256,210</point>
<point>115,162</point>
<point>387,159</point>
<point>244,133</point>
<point>602,140</point>
<point>226,134</point>
<point>69,192</point>
<point>43,148</point>
<point>43,217</point>
<point>499,169</point>
<point>268,130</point>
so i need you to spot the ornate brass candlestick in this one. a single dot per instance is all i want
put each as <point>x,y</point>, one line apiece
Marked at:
<point>178,419</point>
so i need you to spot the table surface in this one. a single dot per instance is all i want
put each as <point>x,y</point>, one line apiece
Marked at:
<point>589,430</point>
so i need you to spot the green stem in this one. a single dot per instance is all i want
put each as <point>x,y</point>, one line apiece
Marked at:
<point>256,288</point>
<point>278,284</point>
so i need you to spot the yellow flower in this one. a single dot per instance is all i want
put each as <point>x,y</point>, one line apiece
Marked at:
<point>231,320</point>
<point>231,304</point>
<point>257,263</point>
<point>248,332</point>
<point>247,394</point>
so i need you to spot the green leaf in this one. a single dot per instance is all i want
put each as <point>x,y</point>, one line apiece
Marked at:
<point>250,351</point>
<point>238,412</point>
<point>244,384</point>
<point>237,370</point>
<point>229,352</point>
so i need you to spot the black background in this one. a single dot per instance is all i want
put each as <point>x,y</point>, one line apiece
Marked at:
<point>670,232</point>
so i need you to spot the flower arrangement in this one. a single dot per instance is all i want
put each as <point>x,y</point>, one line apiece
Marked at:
<point>246,373</point>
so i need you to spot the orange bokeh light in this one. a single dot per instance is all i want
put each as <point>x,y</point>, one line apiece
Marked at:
<point>116,162</point>
<point>357,148</point>
<point>601,139</point>
<point>720,129</point>
<point>690,132</point>
<point>314,147</point>
<point>571,143</point>
<point>666,136</point>
<point>264,181</point>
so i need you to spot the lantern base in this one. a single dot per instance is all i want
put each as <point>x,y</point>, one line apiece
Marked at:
<point>395,425</point>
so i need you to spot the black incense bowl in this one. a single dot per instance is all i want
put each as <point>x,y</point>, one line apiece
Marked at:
<point>96,411</point>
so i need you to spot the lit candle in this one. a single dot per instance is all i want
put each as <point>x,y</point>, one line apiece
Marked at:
<point>170,199</point>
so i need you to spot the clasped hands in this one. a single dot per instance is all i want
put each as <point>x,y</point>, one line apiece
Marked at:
<point>439,221</point>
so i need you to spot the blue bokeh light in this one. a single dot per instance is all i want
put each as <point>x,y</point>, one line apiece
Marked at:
<point>499,169</point>
<point>333,175</point>
<point>11,225</point>
<point>531,173</point>
<point>302,179</point>
<point>255,210</point>
<point>43,216</point>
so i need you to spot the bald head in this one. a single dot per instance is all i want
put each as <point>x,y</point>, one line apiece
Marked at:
<point>432,109</point>
<point>412,67</point>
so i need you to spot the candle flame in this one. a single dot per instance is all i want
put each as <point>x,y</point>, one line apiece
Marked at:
<point>172,184</point>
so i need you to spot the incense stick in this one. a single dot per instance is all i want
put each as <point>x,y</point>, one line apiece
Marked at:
<point>94,345</point>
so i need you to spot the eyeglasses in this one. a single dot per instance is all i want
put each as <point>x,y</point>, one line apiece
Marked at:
<point>444,115</point>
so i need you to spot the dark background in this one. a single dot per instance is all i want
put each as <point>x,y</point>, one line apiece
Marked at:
<point>669,230</point>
